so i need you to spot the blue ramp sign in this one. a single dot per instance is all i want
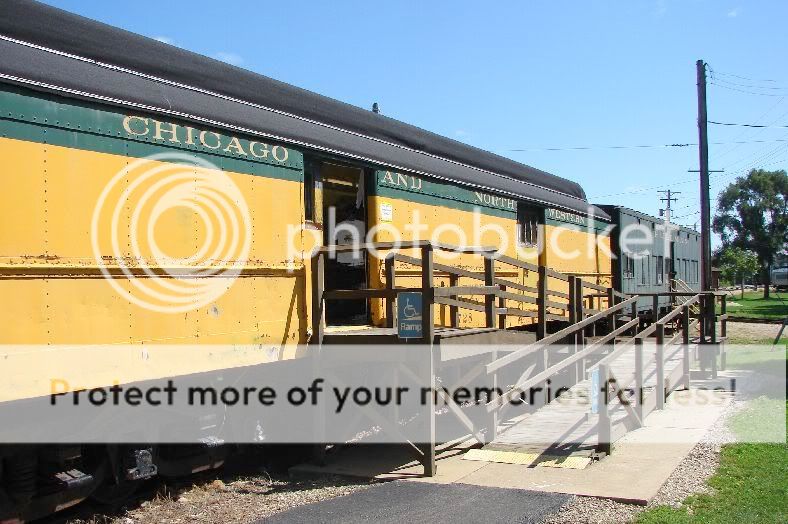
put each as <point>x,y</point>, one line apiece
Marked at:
<point>409,312</point>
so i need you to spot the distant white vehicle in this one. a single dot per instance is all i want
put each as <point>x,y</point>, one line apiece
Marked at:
<point>780,278</point>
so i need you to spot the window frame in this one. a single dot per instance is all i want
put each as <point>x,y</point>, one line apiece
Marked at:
<point>645,269</point>
<point>529,220</point>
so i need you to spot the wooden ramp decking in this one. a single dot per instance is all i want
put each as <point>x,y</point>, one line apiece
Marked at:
<point>564,433</point>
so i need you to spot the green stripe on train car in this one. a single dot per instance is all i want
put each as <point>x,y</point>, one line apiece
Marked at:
<point>43,118</point>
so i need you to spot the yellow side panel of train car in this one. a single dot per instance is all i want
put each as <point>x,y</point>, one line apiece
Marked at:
<point>55,295</point>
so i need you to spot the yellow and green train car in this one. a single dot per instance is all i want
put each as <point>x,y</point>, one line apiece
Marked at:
<point>156,202</point>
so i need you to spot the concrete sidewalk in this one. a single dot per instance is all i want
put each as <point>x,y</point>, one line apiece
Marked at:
<point>641,461</point>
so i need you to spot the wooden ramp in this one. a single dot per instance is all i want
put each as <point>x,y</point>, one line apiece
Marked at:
<point>566,433</point>
<point>566,312</point>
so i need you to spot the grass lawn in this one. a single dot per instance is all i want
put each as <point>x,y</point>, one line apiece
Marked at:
<point>754,306</point>
<point>751,484</point>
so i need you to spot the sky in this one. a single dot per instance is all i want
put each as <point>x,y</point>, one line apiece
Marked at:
<point>528,76</point>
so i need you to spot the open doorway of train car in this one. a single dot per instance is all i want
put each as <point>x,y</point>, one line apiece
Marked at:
<point>340,202</point>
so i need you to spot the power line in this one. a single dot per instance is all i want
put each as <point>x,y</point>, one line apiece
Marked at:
<point>714,72</point>
<point>744,91</point>
<point>754,86</point>
<point>588,148</point>
<point>585,148</point>
<point>688,214</point>
<point>752,133</point>
<point>718,178</point>
<point>645,189</point>
<point>746,125</point>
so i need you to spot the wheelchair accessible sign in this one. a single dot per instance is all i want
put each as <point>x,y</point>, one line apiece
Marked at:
<point>409,311</point>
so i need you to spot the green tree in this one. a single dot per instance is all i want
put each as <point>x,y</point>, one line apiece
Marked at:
<point>752,214</point>
<point>737,264</point>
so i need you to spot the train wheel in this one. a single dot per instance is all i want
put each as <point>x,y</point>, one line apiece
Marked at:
<point>122,471</point>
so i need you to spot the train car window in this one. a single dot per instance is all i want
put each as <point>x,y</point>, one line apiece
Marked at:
<point>627,266</point>
<point>528,225</point>
<point>659,269</point>
<point>313,207</point>
<point>644,271</point>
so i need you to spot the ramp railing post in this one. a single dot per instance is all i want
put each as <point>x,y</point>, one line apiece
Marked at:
<point>541,300</point>
<point>605,423</point>
<point>712,300</point>
<point>489,299</point>
<point>639,385</point>
<point>611,319</point>
<point>655,308</point>
<point>428,338</point>
<point>502,306</point>
<point>492,416</point>
<point>573,319</point>
<point>580,315</point>
<point>580,309</point>
<point>660,358</point>
<point>391,275</point>
<point>318,304</point>
<point>723,329</point>
<point>685,339</point>
<point>454,311</point>
<point>318,329</point>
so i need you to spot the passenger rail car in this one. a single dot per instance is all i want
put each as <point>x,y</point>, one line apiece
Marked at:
<point>780,278</point>
<point>89,114</point>
<point>655,257</point>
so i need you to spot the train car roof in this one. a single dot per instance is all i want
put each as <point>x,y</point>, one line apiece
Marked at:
<point>47,48</point>
<point>611,208</point>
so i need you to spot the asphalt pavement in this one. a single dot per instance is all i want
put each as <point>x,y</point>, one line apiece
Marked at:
<point>405,501</point>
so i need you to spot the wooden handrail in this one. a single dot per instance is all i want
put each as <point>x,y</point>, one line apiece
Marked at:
<point>677,311</point>
<point>460,304</point>
<point>466,290</point>
<point>499,401</point>
<point>410,244</point>
<point>555,337</point>
<point>480,276</point>
<point>354,294</point>
<point>517,263</point>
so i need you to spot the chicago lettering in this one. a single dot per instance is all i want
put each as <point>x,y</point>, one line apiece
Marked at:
<point>187,135</point>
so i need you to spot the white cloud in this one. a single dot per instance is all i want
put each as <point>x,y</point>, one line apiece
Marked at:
<point>164,39</point>
<point>733,13</point>
<point>230,58</point>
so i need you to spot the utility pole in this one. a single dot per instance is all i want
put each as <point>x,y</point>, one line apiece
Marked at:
<point>669,198</point>
<point>705,207</point>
